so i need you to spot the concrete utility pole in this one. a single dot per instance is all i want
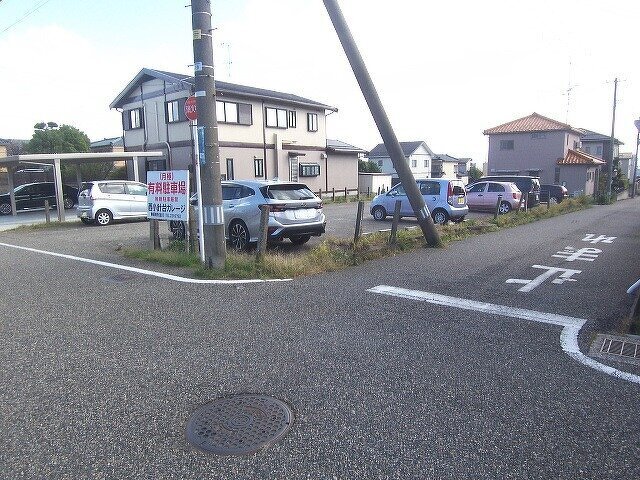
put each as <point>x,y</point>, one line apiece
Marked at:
<point>382,121</point>
<point>205,93</point>
<point>635,163</point>
<point>613,127</point>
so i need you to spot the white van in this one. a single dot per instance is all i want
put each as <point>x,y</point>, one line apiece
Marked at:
<point>104,201</point>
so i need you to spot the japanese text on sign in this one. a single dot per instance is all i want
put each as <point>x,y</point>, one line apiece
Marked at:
<point>168,195</point>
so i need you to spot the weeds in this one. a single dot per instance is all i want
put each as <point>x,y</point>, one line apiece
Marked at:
<point>336,254</point>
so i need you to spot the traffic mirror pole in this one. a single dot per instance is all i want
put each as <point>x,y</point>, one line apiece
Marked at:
<point>205,93</point>
<point>382,121</point>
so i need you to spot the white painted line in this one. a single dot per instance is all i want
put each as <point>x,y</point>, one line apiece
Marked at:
<point>521,313</point>
<point>141,271</point>
<point>568,337</point>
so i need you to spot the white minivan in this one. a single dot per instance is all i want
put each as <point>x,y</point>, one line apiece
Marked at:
<point>104,201</point>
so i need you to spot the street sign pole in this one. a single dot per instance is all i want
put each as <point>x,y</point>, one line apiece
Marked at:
<point>635,163</point>
<point>205,93</point>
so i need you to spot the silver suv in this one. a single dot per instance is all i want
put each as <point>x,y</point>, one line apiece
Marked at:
<point>104,201</point>
<point>295,212</point>
<point>445,198</point>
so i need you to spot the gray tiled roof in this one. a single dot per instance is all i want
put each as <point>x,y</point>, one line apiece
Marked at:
<point>339,146</point>
<point>448,158</point>
<point>407,149</point>
<point>591,136</point>
<point>221,87</point>
<point>116,141</point>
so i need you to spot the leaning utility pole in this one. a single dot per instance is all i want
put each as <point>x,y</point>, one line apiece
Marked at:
<point>613,127</point>
<point>382,121</point>
<point>205,93</point>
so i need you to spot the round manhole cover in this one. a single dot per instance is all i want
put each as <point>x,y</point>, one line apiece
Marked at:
<point>239,425</point>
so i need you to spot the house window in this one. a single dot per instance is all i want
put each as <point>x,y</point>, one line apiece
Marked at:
<point>538,135</point>
<point>576,144</point>
<point>258,167</point>
<point>133,119</point>
<point>414,163</point>
<point>276,117</point>
<point>312,122</point>
<point>292,118</point>
<point>426,163</point>
<point>556,177</point>
<point>232,112</point>
<point>380,163</point>
<point>506,144</point>
<point>229,168</point>
<point>173,111</point>
<point>599,150</point>
<point>309,169</point>
<point>587,149</point>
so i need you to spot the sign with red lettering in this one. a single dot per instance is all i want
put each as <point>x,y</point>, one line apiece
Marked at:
<point>168,195</point>
<point>190,108</point>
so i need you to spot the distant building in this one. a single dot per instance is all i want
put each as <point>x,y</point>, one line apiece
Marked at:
<point>417,154</point>
<point>115,144</point>
<point>531,145</point>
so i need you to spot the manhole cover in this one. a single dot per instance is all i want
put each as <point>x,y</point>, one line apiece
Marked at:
<point>120,278</point>
<point>239,425</point>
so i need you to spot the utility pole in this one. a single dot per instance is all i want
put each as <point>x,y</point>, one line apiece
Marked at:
<point>382,121</point>
<point>613,127</point>
<point>205,93</point>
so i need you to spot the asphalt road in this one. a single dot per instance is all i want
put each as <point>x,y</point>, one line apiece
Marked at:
<point>100,376</point>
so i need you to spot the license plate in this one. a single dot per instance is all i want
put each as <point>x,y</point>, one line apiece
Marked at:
<point>303,214</point>
<point>460,200</point>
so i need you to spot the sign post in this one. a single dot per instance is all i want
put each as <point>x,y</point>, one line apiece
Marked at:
<point>191,112</point>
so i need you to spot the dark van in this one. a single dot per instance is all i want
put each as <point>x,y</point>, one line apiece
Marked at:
<point>529,185</point>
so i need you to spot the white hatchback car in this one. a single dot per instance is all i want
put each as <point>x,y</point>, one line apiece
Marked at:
<point>104,201</point>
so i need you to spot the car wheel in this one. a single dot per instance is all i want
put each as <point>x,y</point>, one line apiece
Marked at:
<point>238,235</point>
<point>68,202</point>
<point>5,209</point>
<point>440,216</point>
<point>86,221</point>
<point>505,207</point>
<point>104,217</point>
<point>379,213</point>
<point>300,239</point>
<point>553,201</point>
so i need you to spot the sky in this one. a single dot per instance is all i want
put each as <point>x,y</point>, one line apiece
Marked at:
<point>445,71</point>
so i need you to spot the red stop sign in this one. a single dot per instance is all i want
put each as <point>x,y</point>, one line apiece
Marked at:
<point>190,108</point>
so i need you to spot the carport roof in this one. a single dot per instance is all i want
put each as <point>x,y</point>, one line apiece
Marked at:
<point>14,160</point>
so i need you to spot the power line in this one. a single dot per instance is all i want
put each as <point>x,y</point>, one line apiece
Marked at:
<point>38,7</point>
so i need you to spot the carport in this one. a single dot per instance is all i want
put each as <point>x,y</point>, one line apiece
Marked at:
<point>56,159</point>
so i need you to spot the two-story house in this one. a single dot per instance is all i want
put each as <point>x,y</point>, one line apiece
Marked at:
<point>446,166</point>
<point>417,154</point>
<point>263,134</point>
<point>531,145</point>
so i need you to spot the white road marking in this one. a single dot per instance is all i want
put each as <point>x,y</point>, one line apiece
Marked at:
<point>591,238</point>
<point>529,285</point>
<point>141,271</point>
<point>568,337</point>
<point>570,254</point>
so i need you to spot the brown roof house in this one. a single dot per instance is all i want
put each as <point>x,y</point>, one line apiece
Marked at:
<point>530,145</point>
<point>579,172</point>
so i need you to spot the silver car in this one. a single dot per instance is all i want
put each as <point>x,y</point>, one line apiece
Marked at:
<point>295,212</point>
<point>104,201</point>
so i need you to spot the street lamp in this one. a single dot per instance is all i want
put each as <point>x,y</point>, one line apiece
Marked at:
<point>635,163</point>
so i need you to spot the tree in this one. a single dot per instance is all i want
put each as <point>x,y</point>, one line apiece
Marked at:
<point>366,166</point>
<point>50,138</point>
<point>474,174</point>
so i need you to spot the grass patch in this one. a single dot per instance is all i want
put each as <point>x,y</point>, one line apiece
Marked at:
<point>336,254</point>
<point>54,224</point>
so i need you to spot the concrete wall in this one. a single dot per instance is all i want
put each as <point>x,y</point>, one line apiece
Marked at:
<point>342,170</point>
<point>531,152</point>
<point>374,182</point>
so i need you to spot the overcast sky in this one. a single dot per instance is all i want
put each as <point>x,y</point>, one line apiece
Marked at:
<point>445,71</point>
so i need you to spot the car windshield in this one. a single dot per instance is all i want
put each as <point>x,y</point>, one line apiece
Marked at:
<point>290,191</point>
